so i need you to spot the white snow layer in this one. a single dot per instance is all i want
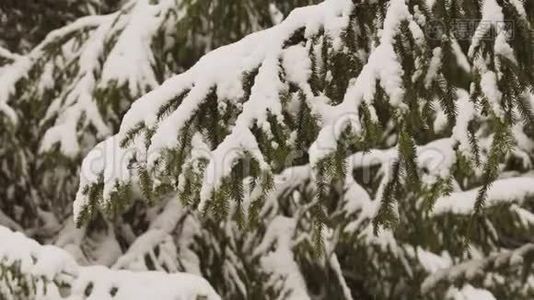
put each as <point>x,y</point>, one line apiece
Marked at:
<point>21,66</point>
<point>79,100</point>
<point>52,266</point>
<point>468,292</point>
<point>128,34</point>
<point>491,14</point>
<point>280,262</point>
<point>382,65</point>
<point>131,59</point>
<point>509,190</point>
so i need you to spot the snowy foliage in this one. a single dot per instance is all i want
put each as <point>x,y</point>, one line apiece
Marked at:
<point>32,271</point>
<point>78,82</point>
<point>354,150</point>
<point>325,83</point>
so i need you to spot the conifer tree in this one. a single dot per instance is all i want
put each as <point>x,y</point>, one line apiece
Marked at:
<point>71,90</point>
<point>356,150</point>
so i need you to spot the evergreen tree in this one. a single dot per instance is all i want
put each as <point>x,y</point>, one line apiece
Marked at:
<point>71,90</point>
<point>356,150</point>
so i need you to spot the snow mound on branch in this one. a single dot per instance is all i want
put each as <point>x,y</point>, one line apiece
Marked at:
<point>142,285</point>
<point>129,62</point>
<point>50,269</point>
<point>507,190</point>
<point>468,292</point>
<point>281,262</point>
<point>21,66</point>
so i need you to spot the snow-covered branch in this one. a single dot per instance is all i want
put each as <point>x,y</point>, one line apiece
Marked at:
<point>33,271</point>
<point>503,191</point>
<point>12,73</point>
<point>477,267</point>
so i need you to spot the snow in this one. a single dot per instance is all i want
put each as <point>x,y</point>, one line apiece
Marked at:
<point>432,262</point>
<point>171,232</point>
<point>461,58</point>
<point>525,217</point>
<point>280,261</point>
<point>355,198</point>
<point>46,80</point>
<point>109,162</point>
<point>509,190</point>
<point>468,292</point>
<point>520,7</point>
<point>21,66</point>
<point>8,54</point>
<point>334,264</point>
<point>476,267</point>
<point>382,66</point>
<point>466,113</point>
<point>51,261</point>
<point>142,285</point>
<point>488,84</point>
<point>441,121</point>
<point>437,157</point>
<point>79,99</point>
<point>9,76</point>
<point>491,14</point>
<point>503,48</point>
<point>276,14</point>
<point>52,266</point>
<point>158,235</point>
<point>384,60</point>
<point>263,98</point>
<point>523,141</point>
<point>435,65</point>
<point>129,62</point>
<point>259,49</point>
<point>131,59</point>
<point>225,74</point>
<point>297,64</point>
